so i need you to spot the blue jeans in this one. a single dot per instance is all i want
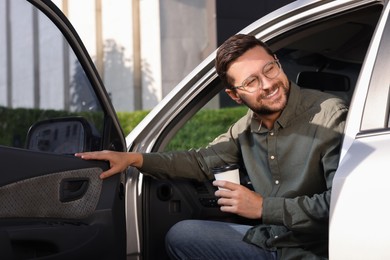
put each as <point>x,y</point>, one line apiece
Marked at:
<point>209,240</point>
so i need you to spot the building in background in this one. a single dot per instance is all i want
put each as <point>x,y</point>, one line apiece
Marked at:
<point>141,48</point>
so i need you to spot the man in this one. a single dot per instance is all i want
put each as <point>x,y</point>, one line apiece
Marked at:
<point>289,144</point>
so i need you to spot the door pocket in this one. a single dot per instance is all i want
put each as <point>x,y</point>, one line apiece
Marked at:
<point>70,194</point>
<point>73,189</point>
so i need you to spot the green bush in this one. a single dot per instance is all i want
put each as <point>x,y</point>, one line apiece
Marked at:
<point>204,127</point>
<point>129,120</point>
<point>197,132</point>
<point>15,123</point>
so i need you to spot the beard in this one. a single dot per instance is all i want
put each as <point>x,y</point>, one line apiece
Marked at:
<point>262,107</point>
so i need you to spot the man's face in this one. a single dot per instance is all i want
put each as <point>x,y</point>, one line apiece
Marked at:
<point>271,95</point>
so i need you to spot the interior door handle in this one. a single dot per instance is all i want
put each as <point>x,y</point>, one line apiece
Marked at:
<point>73,189</point>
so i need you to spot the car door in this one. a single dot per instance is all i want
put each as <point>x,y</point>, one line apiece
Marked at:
<point>359,205</point>
<point>53,104</point>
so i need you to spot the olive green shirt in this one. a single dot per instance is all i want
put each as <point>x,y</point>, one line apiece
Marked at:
<point>291,166</point>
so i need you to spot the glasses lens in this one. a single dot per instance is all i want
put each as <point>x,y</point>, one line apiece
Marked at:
<point>271,70</point>
<point>251,84</point>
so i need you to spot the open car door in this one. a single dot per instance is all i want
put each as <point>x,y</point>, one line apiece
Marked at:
<point>53,104</point>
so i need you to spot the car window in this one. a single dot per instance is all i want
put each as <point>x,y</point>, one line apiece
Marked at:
<point>329,53</point>
<point>204,127</point>
<point>376,109</point>
<point>42,79</point>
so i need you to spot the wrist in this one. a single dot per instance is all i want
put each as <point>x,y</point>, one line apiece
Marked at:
<point>135,159</point>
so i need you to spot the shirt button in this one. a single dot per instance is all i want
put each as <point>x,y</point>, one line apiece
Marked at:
<point>272,157</point>
<point>271,133</point>
<point>277,182</point>
<point>275,237</point>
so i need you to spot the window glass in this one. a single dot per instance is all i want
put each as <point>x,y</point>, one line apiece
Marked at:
<point>376,107</point>
<point>42,79</point>
<point>204,127</point>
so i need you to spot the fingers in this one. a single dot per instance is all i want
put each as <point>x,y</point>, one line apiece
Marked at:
<point>102,155</point>
<point>107,173</point>
<point>226,185</point>
<point>228,205</point>
<point>111,156</point>
<point>227,194</point>
<point>239,200</point>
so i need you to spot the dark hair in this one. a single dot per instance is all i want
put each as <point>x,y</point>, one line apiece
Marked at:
<point>233,48</point>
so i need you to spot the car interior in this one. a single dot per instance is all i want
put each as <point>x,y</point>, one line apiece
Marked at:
<point>325,55</point>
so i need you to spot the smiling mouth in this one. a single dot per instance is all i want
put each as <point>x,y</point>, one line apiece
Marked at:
<point>272,94</point>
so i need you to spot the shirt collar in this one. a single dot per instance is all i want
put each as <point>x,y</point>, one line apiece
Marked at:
<point>288,113</point>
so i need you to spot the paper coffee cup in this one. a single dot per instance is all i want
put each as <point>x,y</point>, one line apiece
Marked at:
<point>227,173</point>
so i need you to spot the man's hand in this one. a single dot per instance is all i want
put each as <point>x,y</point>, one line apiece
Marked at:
<point>239,200</point>
<point>119,161</point>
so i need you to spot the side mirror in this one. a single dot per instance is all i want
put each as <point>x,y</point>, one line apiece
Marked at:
<point>62,136</point>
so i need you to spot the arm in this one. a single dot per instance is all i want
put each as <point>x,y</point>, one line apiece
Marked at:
<point>182,164</point>
<point>193,164</point>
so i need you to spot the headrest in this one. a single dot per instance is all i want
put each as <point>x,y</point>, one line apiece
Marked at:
<point>323,81</point>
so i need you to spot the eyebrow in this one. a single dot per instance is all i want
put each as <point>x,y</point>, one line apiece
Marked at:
<point>255,73</point>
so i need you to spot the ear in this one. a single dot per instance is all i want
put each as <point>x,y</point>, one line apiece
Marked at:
<point>233,95</point>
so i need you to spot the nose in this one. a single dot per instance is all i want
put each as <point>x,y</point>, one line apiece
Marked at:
<point>266,83</point>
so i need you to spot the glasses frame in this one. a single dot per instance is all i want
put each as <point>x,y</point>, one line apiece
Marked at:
<point>275,61</point>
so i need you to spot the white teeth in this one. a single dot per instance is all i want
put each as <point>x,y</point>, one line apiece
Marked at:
<point>272,94</point>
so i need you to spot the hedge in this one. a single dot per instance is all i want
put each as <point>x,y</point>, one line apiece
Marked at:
<point>15,123</point>
<point>198,132</point>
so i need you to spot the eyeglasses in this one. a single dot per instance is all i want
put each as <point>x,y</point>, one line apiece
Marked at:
<point>270,70</point>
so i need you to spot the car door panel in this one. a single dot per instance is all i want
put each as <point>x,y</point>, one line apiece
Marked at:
<point>17,164</point>
<point>56,206</point>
